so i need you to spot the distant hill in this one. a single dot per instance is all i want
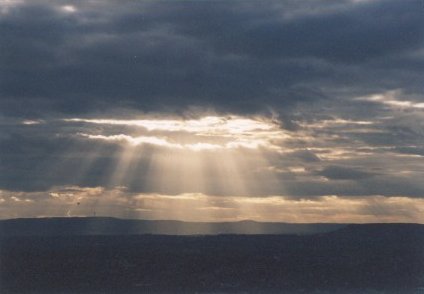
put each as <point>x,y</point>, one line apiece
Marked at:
<point>113,226</point>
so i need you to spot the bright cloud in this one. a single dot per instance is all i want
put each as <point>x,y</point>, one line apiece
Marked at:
<point>390,98</point>
<point>68,8</point>
<point>7,5</point>
<point>208,125</point>
<point>206,133</point>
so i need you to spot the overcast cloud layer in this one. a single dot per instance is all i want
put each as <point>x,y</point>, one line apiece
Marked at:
<point>333,91</point>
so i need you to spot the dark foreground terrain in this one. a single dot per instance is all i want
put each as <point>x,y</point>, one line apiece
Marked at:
<point>381,258</point>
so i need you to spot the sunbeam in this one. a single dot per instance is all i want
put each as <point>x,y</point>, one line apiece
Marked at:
<point>211,155</point>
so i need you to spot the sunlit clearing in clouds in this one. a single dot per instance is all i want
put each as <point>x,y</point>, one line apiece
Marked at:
<point>205,125</point>
<point>212,155</point>
<point>207,133</point>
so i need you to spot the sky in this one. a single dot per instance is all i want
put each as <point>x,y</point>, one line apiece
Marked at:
<point>280,111</point>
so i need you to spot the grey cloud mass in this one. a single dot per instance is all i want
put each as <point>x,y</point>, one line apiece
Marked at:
<point>341,80</point>
<point>233,56</point>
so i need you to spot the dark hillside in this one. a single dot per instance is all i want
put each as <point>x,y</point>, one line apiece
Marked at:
<point>387,258</point>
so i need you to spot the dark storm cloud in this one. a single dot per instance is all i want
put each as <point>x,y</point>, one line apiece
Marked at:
<point>352,35</point>
<point>235,57</point>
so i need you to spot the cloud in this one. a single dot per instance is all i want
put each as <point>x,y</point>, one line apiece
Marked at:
<point>236,57</point>
<point>303,163</point>
<point>293,99</point>
<point>306,155</point>
<point>390,99</point>
<point>205,133</point>
<point>344,173</point>
<point>334,36</point>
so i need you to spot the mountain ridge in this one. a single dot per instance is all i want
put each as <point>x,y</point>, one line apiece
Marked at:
<point>118,226</point>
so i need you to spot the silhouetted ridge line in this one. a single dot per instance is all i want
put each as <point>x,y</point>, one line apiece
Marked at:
<point>116,226</point>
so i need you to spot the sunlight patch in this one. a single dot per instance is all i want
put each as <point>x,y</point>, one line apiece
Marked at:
<point>207,133</point>
<point>203,126</point>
